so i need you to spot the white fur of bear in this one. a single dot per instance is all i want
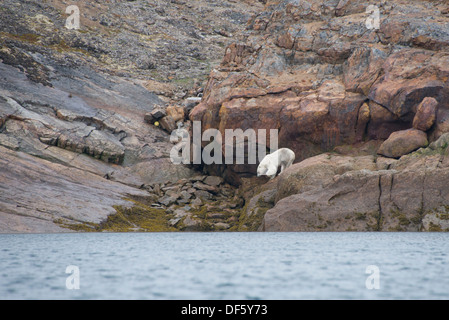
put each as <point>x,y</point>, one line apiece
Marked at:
<point>269,165</point>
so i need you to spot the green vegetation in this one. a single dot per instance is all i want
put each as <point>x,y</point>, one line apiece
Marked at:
<point>139,217</point>
<point>435,227</point>
<point>26,37</point>
<point>251,221</point>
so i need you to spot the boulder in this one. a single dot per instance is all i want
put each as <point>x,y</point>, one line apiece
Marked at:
<point>176,112</point>
<point>403,142</point>
<point>319,170</point>
<point>425,114</point>
<point>167,123</point>
<point>158,112</point>
<point>148,118</point>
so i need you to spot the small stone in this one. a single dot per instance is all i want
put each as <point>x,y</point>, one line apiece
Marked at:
<point>189,222</point>
<point>176,112</point>
<point>216,215</point>
<point>182,201</point>
<point>197,202</point>
<point>221,225</point>
<point>168,123</point>
<point>149,118</point>
<point>172,193</point>
<point>179,213</point>
<point>191,190</point>
<point>9,142</point>
<point>198,178</point>
<point>185,195</point>
<point>441,142</point>
<point>182,181</point>
<point>173,222</point>
<point>191,102</point>
<point>157,189</point>
<point>213,180</point>
<point>158,113</point>
<point>167,200</point>
<point>203,194</point>
<point>201,186</point>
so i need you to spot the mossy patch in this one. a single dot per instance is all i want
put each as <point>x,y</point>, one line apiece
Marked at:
<point>434,227</point>
<point>251,221</point>
<point>139,217</point>
<point>374,221</point>
<point>26,37</point>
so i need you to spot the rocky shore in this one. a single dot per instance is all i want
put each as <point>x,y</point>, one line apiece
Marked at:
<point>86,115</point>
<point>353,101</point>
<point>75,146</point>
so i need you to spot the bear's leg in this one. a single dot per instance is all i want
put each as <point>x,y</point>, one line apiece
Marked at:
<point>271,172</point>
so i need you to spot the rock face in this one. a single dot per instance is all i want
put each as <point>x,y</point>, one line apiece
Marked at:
<point>327,79</point>
<point>78,112</point>
<point>332,192</point>
<point>323,77</point>
<point>74,140</point>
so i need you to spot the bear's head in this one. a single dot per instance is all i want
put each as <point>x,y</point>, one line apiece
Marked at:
<point>261,170</point>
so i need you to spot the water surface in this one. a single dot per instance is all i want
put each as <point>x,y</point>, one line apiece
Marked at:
<point>225,265</point>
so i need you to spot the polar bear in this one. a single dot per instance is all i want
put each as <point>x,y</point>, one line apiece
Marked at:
<point>269,165</point>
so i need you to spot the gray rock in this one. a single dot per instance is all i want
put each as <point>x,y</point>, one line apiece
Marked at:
<point>179,213</point>
<point>158,113</point>
<point>9,142</point>
<point>167,200</point>
<point>149,118</point>
<point>222,225</point>
<point>201,186</point>
<point>190,223</point>
<point>186,195</point>
<point>196,202</point>
<point>204,195</point>
<point>441,142</point>
<point>410,195</point>
<point>173,222</point>
<point>213,180</point>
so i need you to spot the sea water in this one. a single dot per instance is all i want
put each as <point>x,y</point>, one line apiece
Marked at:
<point>227,265</point>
